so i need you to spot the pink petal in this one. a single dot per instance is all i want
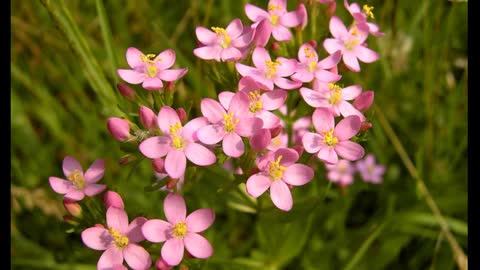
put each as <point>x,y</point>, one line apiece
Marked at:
<point>261,139</point>
<point>171,75</point>
<point>155,147</point>
<point>257,184</point>
<point>134,58</point>
<point>117,218</point>
<point>74,194</point>
<point>156,230</point>
<point>211,134</point>
<point>233,145</point>
<point>287,84</point>
<point>152,83</point>
<point>327,76</point>
<point>270,120</point>
<point>175,163</point>
<point>351,92</point>
<point>234,28</point>
<point>337,28</point>
<point>60,185</point>
<point>263,30</point>
<point>226,96</point>
<point>303,76</point>
<point>303,57</point>
<point>287,66</point>
<point>95,171</point>
<point>208,52</point>
<point>281,33</point>
<point>199,154</point>
<point>289,156</point>
<point>245,39</point>
<point>291,19</point>
<point>231,54</point>
<point>134,230</point>
<point>131,76</point>
<point>245,70</point>
<point>93,189</point>
<point>166,118</point>
<point>137,257</point>
<point>280,3</point>
<point>172,251</point>
<point>239,104</point>
<point>69,164</point>
<point>328,155</point>
<point>323,119</point>
<point>96,238</point>
<point>347,109</point>
<point>174,208</point>
<point>366,55</point>
<point>313,98</point>
<point>205,36</point>
<point>312,142</point>
<point>298,174</point>
<point>281,195</point>
<point>255,13</point>
<point>347,128</point>
<point>110,258</point>
<point>248,126</point>
<point>198,246</point>
<point>165,59</point>
<point>262,82</point>
<point>259,56</point>
<point>191,128</point>
<point>212,110</point>
<point>200,219</point>
<point>274,99</point>
<point>331,61</point>
<point>350,150</point>
<point>332,45</point>
<point>351,62</point>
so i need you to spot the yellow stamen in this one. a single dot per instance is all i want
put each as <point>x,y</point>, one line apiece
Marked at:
<point>335,95</point>
<point>152,71</point>
<point>354,30</point>
<point>120,240</point>
<point>256,104</point>
<point>309,53</point>
<point>368,11</point>
<point>230,122</point>
<point>276,170</point>
<point>350,44</point>
<point>77,179</point>
<point>371,169</point>
<point>272,68</point>
<point>329,139</point>
<point>180,230</point>
<point>273,7</point>
<point>311,66</point>
<point>177,141</point>
<point>274,19</point>
<point>149,58</point>
<point>277,141</point>
<point>226,39</point>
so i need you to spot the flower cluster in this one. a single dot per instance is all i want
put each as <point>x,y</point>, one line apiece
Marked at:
<point>285,109</point>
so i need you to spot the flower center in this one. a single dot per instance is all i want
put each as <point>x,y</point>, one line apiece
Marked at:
<point>368,11</point>
<point>342,168</point>
<point>225,38</point>
<point>272,68</point>
<point>274,20</point>
<point>276,170</point>
<point>177,140</point>
<point>151,71</point>
<point>149,58</point>
<point>329,139</point>
<point>335,94</point>
<point>277,141</point>
<point>274,10</point>
<point>256,104</point>
<point>350,44</point>
<point>77,179</point>
<point>371,169</point>
<point>230,121</point>
<point>120,240</point>
<point>180,230</point>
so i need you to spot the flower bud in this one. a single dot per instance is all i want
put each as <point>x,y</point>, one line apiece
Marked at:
<point>126,91</point>
<point>170,86</point>
<point>182,114</point>
<point>260,139</point>
<point>299,149</point>
<point>112,199</point>
<point>70,220</point>
<point>313,43</point>
<point>160,264</point>
<point>364,126</point>
<point>158,165</point>
<point>274,132</point>
<point>275,46</point>
<point>364,101</point>
<point>147,117</point>
<point>119,128</point>
<point>72,207</point>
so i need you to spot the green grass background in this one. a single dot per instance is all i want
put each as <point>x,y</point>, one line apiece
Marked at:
<point>63,62</point>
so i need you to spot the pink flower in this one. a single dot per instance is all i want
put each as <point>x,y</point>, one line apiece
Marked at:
<point>150,70</point>
<point>147,117</point>
<point>333,97</point>
<point>230,126</point>
<point>278,170</point>
<point>180,231</point>
<point>178,143</point>
<point>331,140</point>
<point>112,199</point>
<point>350,43</point>
<point>79,184</point>
<point>279,20</point>
<point>310,68</point>
<point>361,16</point>
<point>223,44</point>
<point>119,241</point>
<point>341,173</point>
<point>267,72</point>
<point>369,170</point>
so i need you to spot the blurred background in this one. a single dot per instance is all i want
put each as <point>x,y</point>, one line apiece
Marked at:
<point>63,88</point>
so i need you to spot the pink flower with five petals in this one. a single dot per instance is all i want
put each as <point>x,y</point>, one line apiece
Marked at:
<point>341,173</point>
<point>369,170</point>
<point>361,16</point>
<point>310,68</point>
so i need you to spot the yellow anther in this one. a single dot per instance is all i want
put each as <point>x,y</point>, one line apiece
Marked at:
<point>329,139</point>
<point>152,71</point>
<point>277,141</point>
<point>371,169</point>
<point>350,44</point>
<point>309,53</point>
<point>149,58</point>
<point>368,11</point>
<point>119,240</point>
<point>273,7</point>
<point>335,95</point>
<point>77,179</point>
<point>177,140</point>
<point>230,122</point>
<point>276,170</point>
<point>272,68</point>
<point>226,39</point>
<point>256,104</point>
<point>180,230</point>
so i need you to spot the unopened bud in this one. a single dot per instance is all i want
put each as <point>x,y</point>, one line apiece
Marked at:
<point>276,131</point>
<point>313,43</point>
<point>161,264</point>
<point>302,14</point>
<point>72,207</point>
<point>171,183</point>
<point>147,117</point>
<point>182,114</point>
<point>158,165</point>
<point>275,46</point>
<point>170,86</point>
<point>119,128</point>
<point>125,90</point>
<point>364,101</point>
<point>125,160</point>
<point>364,126</point>
<point>113,199</point>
